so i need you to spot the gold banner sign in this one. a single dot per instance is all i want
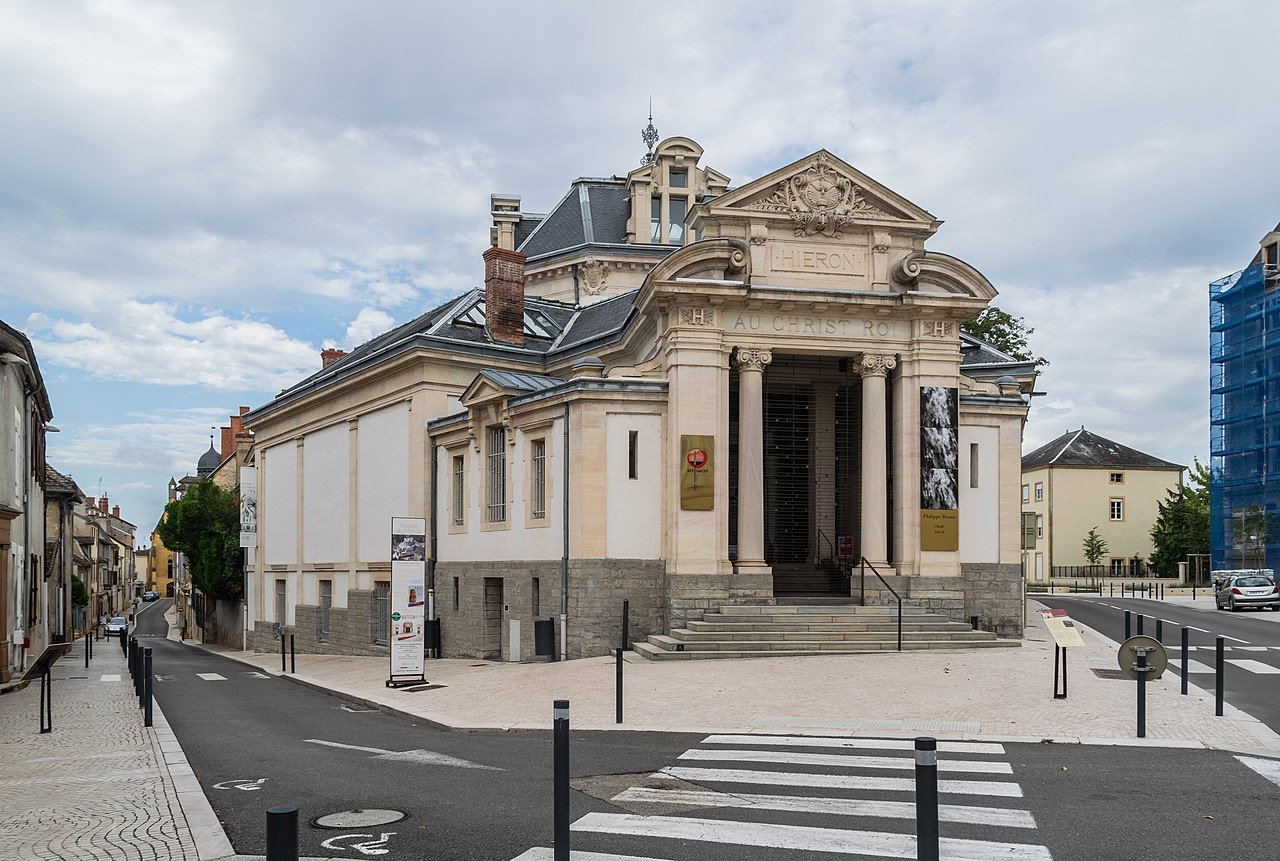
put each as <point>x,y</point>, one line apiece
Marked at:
<point>697,472</point>
<point>939,529</point>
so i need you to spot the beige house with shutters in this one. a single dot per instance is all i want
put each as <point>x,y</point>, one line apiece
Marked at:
<point>1081,481</point>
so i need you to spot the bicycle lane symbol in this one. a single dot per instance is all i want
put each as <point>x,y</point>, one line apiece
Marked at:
<point>370,846</point>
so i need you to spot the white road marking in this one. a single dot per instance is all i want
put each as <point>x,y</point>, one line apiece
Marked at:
<point>212,677</point>
<point>1255,667</point>
<point>254,675</point>
<point>1252,648</point>
<point>546,853</point>
<point>111,677</point>
<point>1233,639</point>
<point>364,847</point>
<point>1192,666</point>
<point>802,838</point>
<point>422,757</point>
<point>243,783</point>
<point>858,743</point>
<point>840,781</point>
<point>1201,630</point>
<point>1268,768</point>
<point>835,806</point>
<point>904,763</point>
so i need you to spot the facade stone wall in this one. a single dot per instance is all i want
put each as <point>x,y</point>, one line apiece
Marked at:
<point>991,591</point>
<point>350,629</point>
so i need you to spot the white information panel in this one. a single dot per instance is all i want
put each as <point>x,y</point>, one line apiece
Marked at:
<point>248,506</point>
<point>408,595</point>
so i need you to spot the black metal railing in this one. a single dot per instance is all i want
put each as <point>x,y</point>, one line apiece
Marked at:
<point>863,565</point>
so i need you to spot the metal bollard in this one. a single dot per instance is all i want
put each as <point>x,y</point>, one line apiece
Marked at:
<point>124,647</point>
<point>1112,590</point>
<point>283,668</point>
<point>1142,693</point>
<point>282,833</point>
<point>626,624</point>
<point>926,798</point>
<point>560,790</point>
<point>1128,618</point>
<point>1141,619</point>
<point>1185,649</point>
<point>146,686</point>
<point>1217,682</point>
<point>88,647</point>
<point>293,657</point>
<point>1160,631</point>
<point>617,686</point>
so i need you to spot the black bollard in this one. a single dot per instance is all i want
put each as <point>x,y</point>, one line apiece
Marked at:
<point>1141,618</point>
<point>1160,631</point>
<point>293,657</point>
<point>1142,693</point>
<point>87,647</point>
<point>617,686</point>
<point>560,789</point>
<point>124,646</point>
<point>282,833</point>
<point>1111,590</point>
<point>283,667</point>
<point>146,686</point>
<point>1128,622</point>
<point>1185,649</point>
<point>1217,684</point>
<point>926,799</point>
<point>626,624</point>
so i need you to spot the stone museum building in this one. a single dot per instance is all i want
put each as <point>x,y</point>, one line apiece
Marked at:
<point>670,391</point>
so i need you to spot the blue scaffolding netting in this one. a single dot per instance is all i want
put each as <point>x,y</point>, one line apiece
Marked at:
<point>1244,419</point>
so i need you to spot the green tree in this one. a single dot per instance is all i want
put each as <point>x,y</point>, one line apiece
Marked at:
<point>1182,523</point>
<point>1255,528</point>
<point>1005,332</point>
<point>79,592</point>
<point>1095,547</point>
<point>204,525</point>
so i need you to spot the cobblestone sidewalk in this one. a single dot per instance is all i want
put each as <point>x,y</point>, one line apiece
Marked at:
<point>98,786</point>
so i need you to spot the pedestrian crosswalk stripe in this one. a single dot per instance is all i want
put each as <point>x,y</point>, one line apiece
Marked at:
<point>839,781</point>
<point>787,757</point>
<point>1268,768</point>
<point>802,837</point>
<point>852,743</point>
<point>111,677</point>
<point>546,853</point>
<point>1255,666</point>
<point>212,677</point>
<point>1192,666</point>
<point>1252,648</point>
<point>837,806</point>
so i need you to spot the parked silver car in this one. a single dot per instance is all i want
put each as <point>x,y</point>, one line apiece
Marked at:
<point>115,625</point>
<point>1249,590</point>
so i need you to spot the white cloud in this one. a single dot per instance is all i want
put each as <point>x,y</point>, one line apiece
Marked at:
<point>368,324</point>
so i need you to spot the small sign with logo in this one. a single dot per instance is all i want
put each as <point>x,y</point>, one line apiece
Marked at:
<point>697,472</point>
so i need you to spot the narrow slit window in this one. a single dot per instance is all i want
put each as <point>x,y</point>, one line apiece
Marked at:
<point>459,491</point>
<point>678,206</point>
<point>456,602</point>
<point>537,596</point>
<point>655,219</point>
<point>539,458</point>
<point>973,464</point>
<point>633,438</point>
<point>496,469</point>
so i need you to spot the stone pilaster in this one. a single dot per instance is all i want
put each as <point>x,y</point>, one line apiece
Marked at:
<point>875,475</point>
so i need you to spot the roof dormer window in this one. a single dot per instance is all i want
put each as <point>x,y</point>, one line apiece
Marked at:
<point>678,208</point>
<point>679,178</point>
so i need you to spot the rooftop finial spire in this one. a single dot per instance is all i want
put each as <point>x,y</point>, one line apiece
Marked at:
<point>650,136</point>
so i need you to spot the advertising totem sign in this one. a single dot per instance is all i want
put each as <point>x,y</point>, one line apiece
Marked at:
<point>408,605</point>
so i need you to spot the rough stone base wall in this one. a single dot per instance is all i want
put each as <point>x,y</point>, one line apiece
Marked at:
<point>597,588</point>
<point>350,630</point>
<point>691,596</point>
<point>990,591</point>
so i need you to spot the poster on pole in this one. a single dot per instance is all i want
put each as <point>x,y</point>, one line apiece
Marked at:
<point>408,605</point>
<point>939,469</point>
<point>248,506</point>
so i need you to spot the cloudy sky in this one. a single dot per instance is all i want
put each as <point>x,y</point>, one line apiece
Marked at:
<point>195,198</point>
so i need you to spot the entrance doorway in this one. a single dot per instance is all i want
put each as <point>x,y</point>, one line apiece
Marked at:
<point>491,647</point>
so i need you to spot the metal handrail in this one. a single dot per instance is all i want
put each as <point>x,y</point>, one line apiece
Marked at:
<point>822,536</point>
<point>863,565</point>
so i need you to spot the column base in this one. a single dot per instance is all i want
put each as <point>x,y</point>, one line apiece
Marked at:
<point>751,583</point>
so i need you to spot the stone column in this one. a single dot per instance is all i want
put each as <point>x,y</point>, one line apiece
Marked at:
<point>751,364</point>
<point>875,454</point>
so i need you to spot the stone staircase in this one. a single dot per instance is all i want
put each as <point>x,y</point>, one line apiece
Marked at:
<point>771,631</point>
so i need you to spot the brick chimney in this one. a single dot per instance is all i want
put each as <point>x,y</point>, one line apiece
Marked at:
<point>327,358</point>
<point>226,442</point>
<point>102,505</point>
<point>115,511</point>
<point>504,295</point>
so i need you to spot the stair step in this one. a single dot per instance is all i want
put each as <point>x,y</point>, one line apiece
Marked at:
<point>715,624</point>
<point>685,635</point>
<point>658,654</point>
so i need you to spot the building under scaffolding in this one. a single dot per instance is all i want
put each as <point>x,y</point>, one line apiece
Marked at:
<point>1244,325</point>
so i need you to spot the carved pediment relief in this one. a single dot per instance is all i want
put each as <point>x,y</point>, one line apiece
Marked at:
<point>819,199</point>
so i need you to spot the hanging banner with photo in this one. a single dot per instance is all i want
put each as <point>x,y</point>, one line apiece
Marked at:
<point>939,469</point>
<point>248,506</point>
<point>408,596</point>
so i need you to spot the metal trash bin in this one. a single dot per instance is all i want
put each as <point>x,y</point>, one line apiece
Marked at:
<point>544,637</point>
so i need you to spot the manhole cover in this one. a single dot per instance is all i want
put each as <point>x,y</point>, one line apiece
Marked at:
<point>1109,674</point>
<point>359,818</point>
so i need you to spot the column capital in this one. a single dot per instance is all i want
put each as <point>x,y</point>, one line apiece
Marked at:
<point>872,365</point>
<point>752,358</point>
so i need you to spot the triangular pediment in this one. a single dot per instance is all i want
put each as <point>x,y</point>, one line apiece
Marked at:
<point>823,194</point>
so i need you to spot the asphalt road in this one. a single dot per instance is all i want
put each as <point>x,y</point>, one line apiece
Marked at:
<point>240,728</point>
<point>1250,636</point>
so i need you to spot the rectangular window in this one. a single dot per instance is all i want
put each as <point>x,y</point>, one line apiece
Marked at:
<point>678,178</point>
<point>326,604</point>
<point>537,597</point>
<point>655,219</point>
<point>459,490</point>
<point>1039,526</point>
<point>1117,478</point>
<point>455,593</point>
<point>678,207</point>
<point>1117,508</point>
<point>973,464</point>
<point>539,459</point>
<point>282,608</point>
<point>496,476</point>
<point>1026,493</point>
<point>1039,491</point>
<point>1117,567</point>
<point>632,464</point>
<point>379,614</point>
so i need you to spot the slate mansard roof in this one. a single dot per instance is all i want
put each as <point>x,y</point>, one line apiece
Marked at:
<point>1083,449</point>
<point>593,214</point>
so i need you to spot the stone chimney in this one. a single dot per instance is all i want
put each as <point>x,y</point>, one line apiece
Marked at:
<point>504,295</point>
<point>505,209</point>
<point>103,506</point>
<point>327,358</point>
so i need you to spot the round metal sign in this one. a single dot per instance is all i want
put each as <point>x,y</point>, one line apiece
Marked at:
<point>1157,657</point>
<point>697,458</point>
<point>359,818</point>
